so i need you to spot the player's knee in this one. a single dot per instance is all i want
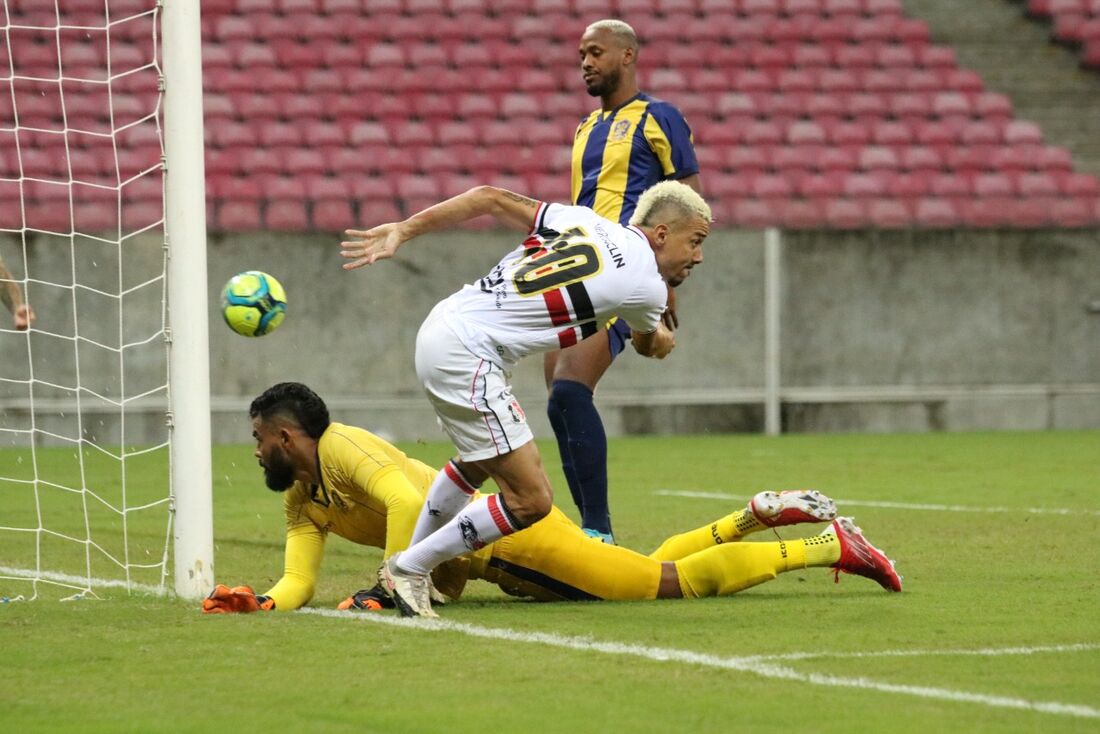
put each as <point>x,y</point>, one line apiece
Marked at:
<point>531,507</point>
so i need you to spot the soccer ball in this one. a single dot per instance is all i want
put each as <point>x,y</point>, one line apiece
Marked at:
<point>253,303</point>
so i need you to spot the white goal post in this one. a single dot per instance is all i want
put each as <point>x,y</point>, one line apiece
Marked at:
<point>105,454</point>
<point>189,353</point>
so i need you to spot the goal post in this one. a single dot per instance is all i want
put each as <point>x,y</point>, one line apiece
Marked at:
<point>189,346</point>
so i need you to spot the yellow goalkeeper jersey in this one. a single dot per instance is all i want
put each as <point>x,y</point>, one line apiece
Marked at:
<point>370,493</point>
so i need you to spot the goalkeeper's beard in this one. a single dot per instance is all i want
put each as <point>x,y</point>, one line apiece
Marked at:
<point>278,472</point>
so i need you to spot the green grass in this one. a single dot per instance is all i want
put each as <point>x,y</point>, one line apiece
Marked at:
<point>973,580</point>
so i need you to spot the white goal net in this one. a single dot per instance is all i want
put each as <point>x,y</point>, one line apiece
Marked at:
<point>85,497</point>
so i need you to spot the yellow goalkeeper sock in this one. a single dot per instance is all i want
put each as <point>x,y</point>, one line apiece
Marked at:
<point>729,529</point>
<point>729,568</point>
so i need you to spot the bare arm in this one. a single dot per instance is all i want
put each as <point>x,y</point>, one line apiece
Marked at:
<point>12,297</point>
<point>364,247</point>
<point>692,181</point>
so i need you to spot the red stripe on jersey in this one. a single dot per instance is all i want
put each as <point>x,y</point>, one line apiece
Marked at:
<point>458,479</point>
<point>567,338</point>
<point>535,223</point>
<point>555,304</point>
<point>498,516</point>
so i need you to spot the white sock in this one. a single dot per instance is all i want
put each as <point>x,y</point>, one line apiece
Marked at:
<point>480,523</point>
<point>449,493</point>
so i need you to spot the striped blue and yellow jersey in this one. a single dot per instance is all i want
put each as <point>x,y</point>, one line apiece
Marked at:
<point>619,154</point>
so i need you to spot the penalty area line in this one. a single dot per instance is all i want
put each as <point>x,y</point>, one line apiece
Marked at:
<point>889,505</point>
<point>754,666</point>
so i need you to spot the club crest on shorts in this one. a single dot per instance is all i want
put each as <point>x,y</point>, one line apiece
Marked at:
<point>518,416</point>
<point>619,130</point>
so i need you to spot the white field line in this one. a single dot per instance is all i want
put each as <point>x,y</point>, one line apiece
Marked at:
<point>84,583</point>
<point>745,665</point>
<point>891,505</point>
<point>979,652</point>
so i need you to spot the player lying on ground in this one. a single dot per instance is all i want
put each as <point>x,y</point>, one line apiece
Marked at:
<point>347,481</point>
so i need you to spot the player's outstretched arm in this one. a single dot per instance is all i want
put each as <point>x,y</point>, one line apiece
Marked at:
<point>239,599</point>
<point>365,247</point>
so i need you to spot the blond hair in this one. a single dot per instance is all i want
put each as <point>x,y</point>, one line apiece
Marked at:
<point>672,200</point>
<point>621,31</point>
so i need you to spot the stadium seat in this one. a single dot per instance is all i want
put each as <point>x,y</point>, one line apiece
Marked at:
<point>889,214</point>
<point>1022,132</point>
<point>1074,213</point>
<point>845,213</point>
<point>936,212</point>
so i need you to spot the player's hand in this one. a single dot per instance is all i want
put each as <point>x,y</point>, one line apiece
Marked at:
<point>656,344</point>
<point>239,599</point>
<point>371,600</point>
<point>24,317</point>
<point>365,247</point>
<point>669,316</point>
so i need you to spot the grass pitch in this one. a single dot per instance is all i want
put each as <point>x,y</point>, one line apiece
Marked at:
<point>996,630</point>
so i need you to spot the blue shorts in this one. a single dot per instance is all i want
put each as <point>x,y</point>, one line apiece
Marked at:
<point>618,334</point>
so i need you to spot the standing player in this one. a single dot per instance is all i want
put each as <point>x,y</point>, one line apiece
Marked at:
<point>22,314</point>
<point>572,273</point>
<point>620,150</point>
<point>346,481</point>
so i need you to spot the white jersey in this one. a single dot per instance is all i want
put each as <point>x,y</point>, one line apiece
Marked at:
<point>575,271</point>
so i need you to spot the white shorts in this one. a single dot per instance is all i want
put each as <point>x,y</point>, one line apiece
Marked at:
<point>471,395</point>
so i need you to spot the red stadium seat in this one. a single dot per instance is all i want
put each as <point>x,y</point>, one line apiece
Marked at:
<point>980,132</point>
<point>237,216</point>
<point>889,214</point>
<point>1074,212</point>
<point>845,213</point>
<point>1078,184</point>
<point>844,158</point>
<point>991,185</point>
<point>802,214</point>
<point>756,213</point>
<point>741,158</point>
<point>936,212</point>
<point>949,186</point>
<point>1036,185</point>
<point>920,158</point>
<point>1022,132</point>
<point>911,186</point>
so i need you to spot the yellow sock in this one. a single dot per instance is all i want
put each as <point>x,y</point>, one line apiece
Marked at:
<point>729,529</point>
<point>729,568</point>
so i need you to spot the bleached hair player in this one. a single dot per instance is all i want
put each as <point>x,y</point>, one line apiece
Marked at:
<point>572,272</point>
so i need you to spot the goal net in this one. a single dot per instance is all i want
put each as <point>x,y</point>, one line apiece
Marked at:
<point>86,501</point>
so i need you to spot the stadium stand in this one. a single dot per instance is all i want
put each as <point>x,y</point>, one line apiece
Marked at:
<point>1075,23</point>
<point>807,113</point>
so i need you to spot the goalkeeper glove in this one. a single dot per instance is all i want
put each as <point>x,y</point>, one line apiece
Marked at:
<point>224,600</point>
<point>370,599</point>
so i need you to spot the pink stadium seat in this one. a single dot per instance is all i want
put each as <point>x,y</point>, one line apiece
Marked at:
<point>949,186</point>
<point>936,57</point>
<point>1022,132</point>
<point>962,80</point>
<point>853,133</point>
<point>237,216</point>
<point>936,212</point>
<point>862,186</point>
<point>934,133</point>
<point>1079,185</point>
<point>920,158</point>
<point>890,132</point>
<point>993,185</point>
<point>838,80</point>
<point>325,134</point>
<point>845,213</point>
<point>855,56</point>
<point>895,55</point>
<point>838,159</point>
<point>970,159</point>
<point>332,215</point>
<point>980,132</point>
<point>301,161</point>
<point>1074,212</point>
<point>1016,157</point>
<point>377,212</point>
<point>286,215</point>
<point>771,186</point>
<point>1036,184</point>
<point>742,158</point>
<point>755,213</point>
<point>992,106</point>
<point>811,56</point>
<point>889,214</point>
<point>805,132</point>
<point>821,185</point>
<point>878,158</point>
<point>788,159</point>
<point>911,186</point>
<point>802,213</point>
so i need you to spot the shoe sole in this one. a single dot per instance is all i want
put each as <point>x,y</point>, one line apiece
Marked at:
<point>815,506</point>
